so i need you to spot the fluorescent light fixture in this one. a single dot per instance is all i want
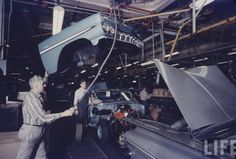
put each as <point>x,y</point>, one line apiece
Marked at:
<point>136,62</point>
<point>118,68</point>
<point>15,73</point>
<point>147,63</point>
<point>83,71</point>
<point>173,54</point>
<point>231,53</point>
<point>176,64</point>
<point>134,81</point>
<point>224,62</point>
<point>106,72</point>
<point>58,16</point>
<point>95,65</point>
<point>201,3</point>
<point>199,60</point>
<point>91,76</point>
<point>128,65</point>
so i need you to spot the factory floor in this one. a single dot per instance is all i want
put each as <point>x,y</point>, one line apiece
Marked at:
<point>61,144</point>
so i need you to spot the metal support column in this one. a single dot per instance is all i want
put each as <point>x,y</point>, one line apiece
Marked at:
<point>2,29</point>
<point>194,16</point>
<point>163,53</point>
<point>153,42</point>
<point>3,63</point>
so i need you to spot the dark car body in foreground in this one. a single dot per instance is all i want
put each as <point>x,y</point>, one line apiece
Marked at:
<point>206,99</point>
<point>101,115</point>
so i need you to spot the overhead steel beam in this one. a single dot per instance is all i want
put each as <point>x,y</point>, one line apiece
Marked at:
<point>204,29</point>
<point>156,15</point>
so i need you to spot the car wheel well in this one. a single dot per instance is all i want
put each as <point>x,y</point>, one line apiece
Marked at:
<point>66,56</point>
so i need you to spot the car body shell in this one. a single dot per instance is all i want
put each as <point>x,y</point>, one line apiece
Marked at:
<point>92,28</point>
<point>111,106</point>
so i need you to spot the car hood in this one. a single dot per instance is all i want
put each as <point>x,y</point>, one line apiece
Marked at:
<point>203,94</point>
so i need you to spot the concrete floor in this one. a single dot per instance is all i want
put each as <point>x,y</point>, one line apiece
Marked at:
<point>61,144</point>
<point>9,145</point>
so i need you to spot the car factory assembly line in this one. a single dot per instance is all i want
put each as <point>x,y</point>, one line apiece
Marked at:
<point>208,115</point>
<point>129,79</point>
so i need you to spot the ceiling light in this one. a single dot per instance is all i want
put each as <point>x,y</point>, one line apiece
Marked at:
<point>118,68</point>
<point>176,64</point>
<point>136,62</point>
<point>95,65</point>
<point>128,65</point>
<point>91,76</point>
<point>15,73</point>
<point>134,81</point>
<point>83,71</point>
<point>58,16</point>
<point>173,54</point>
<point>231,53</point>
<point>199,60</point>
<point>224,62</point>
<point>106,72</point>
<point>182,68</point>
<point>147,63</point>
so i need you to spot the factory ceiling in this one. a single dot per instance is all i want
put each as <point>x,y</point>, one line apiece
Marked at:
<point>165,26</point>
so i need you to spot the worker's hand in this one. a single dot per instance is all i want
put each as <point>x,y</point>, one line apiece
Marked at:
<point>68,112</point>
<point>46,73</point>
<point>72,109</point>
<point>76,112</point>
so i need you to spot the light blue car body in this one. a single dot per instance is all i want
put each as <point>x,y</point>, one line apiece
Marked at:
<point>90,28</point>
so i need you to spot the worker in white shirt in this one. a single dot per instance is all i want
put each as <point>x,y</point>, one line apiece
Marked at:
<point>144,97</point>
<point>81,103</point>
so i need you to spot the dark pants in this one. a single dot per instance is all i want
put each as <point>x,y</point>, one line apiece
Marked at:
<point>146,105</point>
<point>32,142</point>
<point>80,128</point>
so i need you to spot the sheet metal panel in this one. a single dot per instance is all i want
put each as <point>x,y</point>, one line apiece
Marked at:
<point>203,94</point>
